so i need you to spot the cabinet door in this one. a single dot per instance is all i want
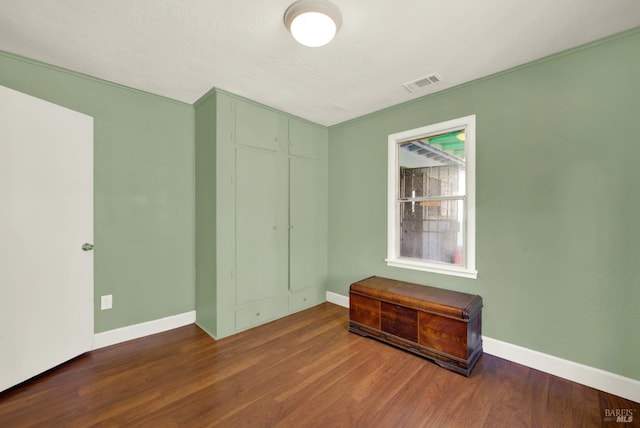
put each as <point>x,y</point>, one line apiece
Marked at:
<point>305,249</point>
<point>256,126</point>
<point>306,140</point>
<point>260,255</point>
<point>258,312</point>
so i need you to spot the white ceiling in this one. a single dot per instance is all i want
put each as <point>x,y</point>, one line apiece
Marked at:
<point>182,48</point>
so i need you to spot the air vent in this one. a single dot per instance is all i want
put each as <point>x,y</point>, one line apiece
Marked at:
<point>423,82</point>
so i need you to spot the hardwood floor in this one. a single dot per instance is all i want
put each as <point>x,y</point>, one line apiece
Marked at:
<point>305,370</point>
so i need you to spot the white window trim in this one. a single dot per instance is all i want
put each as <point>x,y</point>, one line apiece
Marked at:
<point>393,223</point>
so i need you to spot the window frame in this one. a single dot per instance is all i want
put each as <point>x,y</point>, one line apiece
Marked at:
<point>468,269</point>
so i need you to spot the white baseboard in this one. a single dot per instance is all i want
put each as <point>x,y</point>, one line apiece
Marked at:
<point>337,299</point>
<point>595,378</point>
<point>112,337</point>
<point>592,377</point>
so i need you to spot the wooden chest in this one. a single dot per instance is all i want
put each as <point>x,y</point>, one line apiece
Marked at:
<point>441,325</point>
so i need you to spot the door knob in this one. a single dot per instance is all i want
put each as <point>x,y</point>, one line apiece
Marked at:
<point>87,247</point>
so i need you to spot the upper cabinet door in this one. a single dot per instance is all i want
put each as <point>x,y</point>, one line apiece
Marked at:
<point>306,139</point>
<point>256,126</point>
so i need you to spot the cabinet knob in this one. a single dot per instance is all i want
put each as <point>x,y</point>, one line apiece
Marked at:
<point>257,314</point>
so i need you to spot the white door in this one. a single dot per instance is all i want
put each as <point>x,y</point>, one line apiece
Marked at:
<point>46,215</point>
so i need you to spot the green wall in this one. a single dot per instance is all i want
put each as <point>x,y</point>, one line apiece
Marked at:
<point>557,201</point>
<point>144,225</point>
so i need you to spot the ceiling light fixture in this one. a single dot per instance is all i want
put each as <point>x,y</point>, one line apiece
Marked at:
<point>313,23</point>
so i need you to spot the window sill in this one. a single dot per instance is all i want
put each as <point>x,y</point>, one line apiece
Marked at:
<point>433,267</point>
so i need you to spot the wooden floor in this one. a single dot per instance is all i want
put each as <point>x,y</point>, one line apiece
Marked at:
<point>305,370</point>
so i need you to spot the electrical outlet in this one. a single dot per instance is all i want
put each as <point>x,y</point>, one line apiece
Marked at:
<point>106,302</point>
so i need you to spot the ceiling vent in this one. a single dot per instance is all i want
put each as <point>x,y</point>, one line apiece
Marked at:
<point>423,82</point>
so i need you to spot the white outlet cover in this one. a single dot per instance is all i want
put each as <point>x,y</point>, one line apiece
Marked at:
<point>106,302</point>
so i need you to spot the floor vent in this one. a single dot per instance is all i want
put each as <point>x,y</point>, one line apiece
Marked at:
<point>423,82</point>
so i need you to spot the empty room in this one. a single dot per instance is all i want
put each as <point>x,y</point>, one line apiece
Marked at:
<point>319,213</point>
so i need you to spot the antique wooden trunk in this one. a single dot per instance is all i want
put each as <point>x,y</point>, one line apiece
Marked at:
<point>441,325</point>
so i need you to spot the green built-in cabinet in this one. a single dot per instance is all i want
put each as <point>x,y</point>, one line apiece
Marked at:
<point>268,172</point>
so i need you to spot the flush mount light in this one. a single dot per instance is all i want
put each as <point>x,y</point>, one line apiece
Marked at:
<point>313,23</point>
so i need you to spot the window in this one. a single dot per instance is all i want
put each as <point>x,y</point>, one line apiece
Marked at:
<point>431,198</point>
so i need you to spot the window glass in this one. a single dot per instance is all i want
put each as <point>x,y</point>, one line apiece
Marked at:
<point>432,220</point>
